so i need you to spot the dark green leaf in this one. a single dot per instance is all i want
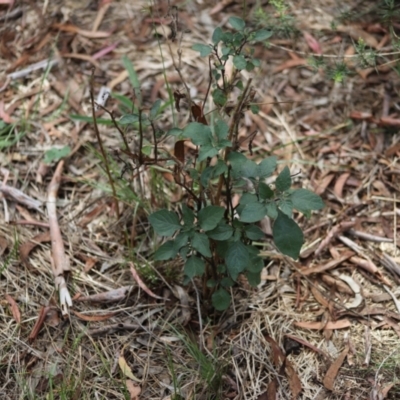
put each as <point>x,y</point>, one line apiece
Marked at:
<point>222,248</point>
<point>194,266</point>
<point>253,232</point>
<point>272,210</point>
<point>264,191</point>
<point>221,232</point>
<point>236,259</point>
<point>256,62</point>
<point>175,132</point>
<point>203,49</point>
<point>237,23</point>
<point>181,241</point>
<point>201,243</point>
<point>155,109</point>
<point>239,62</point>
<point>217,35</point>
<point>253,212</point>
<point>248,198</point>
<point>304,200</point>
<point>210,216</point>
<point>220,168</point>
<point>286,206</point>
<point>206,175</point>
<point>254,278</point>
<point>221,129</point>
<point>199,133</point>
<point>211,283</point>
<point>207,151</point>
<point>187,215</point>
<point>129,119</point>
<point>227,282</point>
<point>164,222</point>
<point>267,167</point>
<point>256,265</point>
<point>262,34</point>
<point>287,235</point>
<point>166,251</point>
<point>221,299</point>
<point>219,97</point>
<point>284,180</point>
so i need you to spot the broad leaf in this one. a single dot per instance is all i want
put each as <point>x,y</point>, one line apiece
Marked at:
<point>262,34</point>
<point>199,133</point>
<point>210,216</point>
<point>253,232</point>
<point>253,212</point>
<point>255,265</point>
<point>264,191</point>
<point>207,151</point>
<point>284,180</point>
<point>181,240</point>
<point>221,232</point>
<point>187,216</point>
<point>221,299</point>
<point>219,97</point>
<point>239,62</point>
<point>237,23</point>
<point>286,206</point>
<point>236,259</point>
<point>266,167</point>
<point>287,235</point>
<point>217,35</point>
<point>272,210</point>
<point>203,49</point>
<point>201,243</point>
<point>254,278</point>
<point>164,222</point>
<point>194,266</point>
<point>166,251</point>
<point>221,130</point>
<point>304,200</point>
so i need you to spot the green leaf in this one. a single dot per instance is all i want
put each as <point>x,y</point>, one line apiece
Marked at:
<point>272,210</point>
<point>239,62</point>
<point>253,232</point>
<point>249,66</point>
<point>166,251</point>
<point>220,168</point>
<point>129,119</point>
<point>287,235</point>
<point>236,259</point>
<point>284,180</point>
<point>55,154</point>
<point>194,266</point>
<point>254,109</point>
<point>133,77</point>
<point>304,200</point>
<point>248,198</point>
<point>164,222</point>
<point>254,278</point>
<point>253,212</point>
<point>181,241</point>
<point>199,133</point>
<point>221,299</point>
<point>262,34</point>
<point>175,132</point>
<point>219,97</point>
<point>217,35</point>
<point>227,282</point>
<point>206,175</point>
<point>221,232</point>
<point>210,216</point>
<point>187,216</point>
<point>267,167</point>
<point>155,108</point>
<point>221,130</point>
<point>203,49</point>
<point>286,206</point>
<point>207,151</point>
<point>264,191</point>
<point>201,243</point>
<point>256,265</point>
<point>237,23</point>
<point>222,248</point>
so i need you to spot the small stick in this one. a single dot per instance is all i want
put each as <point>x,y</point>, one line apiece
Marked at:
<point>59,260</point>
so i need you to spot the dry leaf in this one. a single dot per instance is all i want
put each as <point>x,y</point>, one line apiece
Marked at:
<point>38,324</point>
<point>126,370</point>
<point>338,189</point>
<point>313,43</point>
<point>341,324</point>
<point>179,150</point>
<point>293,378</point>
<point>93,318</point>
<point>133,390</point>
<point>142,284</point>
<point>28,246</point>
<point>333,370</point>
<point>14,308</point>
<point>108,297</point>
<point>198,114</point>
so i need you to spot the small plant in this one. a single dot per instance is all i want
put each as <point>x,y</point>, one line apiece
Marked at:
<point>214,237</point>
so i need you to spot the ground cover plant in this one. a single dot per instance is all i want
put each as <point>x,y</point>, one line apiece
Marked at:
<point>137,254</point>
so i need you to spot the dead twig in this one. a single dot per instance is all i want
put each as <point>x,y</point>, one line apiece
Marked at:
<point>59,260</point>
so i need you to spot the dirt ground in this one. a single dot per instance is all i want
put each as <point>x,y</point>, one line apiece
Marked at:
<point>323,327</point>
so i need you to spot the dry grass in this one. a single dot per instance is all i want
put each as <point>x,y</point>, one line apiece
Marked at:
<point>80,357</point>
